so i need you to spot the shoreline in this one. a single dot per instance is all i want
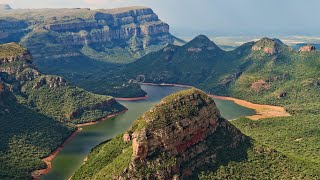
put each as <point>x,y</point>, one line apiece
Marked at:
<point>102,119</point>
<point>132,99</point>
<point>47,160</point>
<point>36,174</point>
<point>262,111</point>
<point>165,84</point>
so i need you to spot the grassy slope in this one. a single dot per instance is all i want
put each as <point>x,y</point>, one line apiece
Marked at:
<point>296,136</point>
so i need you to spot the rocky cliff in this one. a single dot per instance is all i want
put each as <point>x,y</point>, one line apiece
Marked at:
<point>307,48</point>
<point>175,138</point>
<point>133,30</point>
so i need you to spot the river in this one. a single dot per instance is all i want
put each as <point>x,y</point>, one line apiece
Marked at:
<point>71,157</point>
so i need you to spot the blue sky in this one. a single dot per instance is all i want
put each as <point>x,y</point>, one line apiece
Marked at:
<point>223,17</point>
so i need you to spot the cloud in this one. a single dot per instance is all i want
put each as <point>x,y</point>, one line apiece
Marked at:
<point>5,1</point>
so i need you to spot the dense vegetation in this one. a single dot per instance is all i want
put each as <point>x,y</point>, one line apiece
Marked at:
<point>11,49</point>
<point>59,102</point>
<point>251,160</point>
<point>106,160</point>
<point>266,72</point>
<point>261,162</point>
<point>25,137</point>
<point>31,106</point>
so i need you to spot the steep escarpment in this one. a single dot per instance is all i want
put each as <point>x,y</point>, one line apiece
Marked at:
<point>82,44</point>
<point>113,35</point>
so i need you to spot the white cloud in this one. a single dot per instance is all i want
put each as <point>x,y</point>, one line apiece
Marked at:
<point>5,1</point>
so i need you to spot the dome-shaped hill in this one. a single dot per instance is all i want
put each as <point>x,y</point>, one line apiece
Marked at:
<point>269,46</point>
<point>177,136</point>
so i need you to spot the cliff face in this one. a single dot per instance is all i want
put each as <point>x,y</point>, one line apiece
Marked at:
<point>173,140</point>
<point>16,63</point>
<point>134,30</point>
<point>175,134</point>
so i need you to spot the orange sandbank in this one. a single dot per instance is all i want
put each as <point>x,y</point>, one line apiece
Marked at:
<point>262,111</point>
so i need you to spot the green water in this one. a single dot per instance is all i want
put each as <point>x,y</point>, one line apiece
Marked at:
<point>73,153</point>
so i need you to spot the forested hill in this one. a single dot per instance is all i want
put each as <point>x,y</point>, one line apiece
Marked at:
<point>38,112</point>
<point>184,137</point>
<point>266,71</point>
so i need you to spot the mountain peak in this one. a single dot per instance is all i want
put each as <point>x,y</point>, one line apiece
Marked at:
<point>269,46</point>
<point>201,43</point>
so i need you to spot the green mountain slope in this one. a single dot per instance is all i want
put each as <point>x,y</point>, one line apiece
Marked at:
<point>38,112</point>
<point>79,42</point>
<point>51,95</point>
<point>266,71</point>
<point>185,137</point>
<point>26,136</point>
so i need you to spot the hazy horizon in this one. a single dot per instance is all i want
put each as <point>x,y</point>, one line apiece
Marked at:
<point>211,17</point>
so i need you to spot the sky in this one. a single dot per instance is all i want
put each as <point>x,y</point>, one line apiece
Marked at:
<point>213,17</point>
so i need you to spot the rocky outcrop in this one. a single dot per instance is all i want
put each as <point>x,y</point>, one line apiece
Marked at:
<point>260,85</point>
<point>50,81</point>
<point>269,46</point>
<point>16,63</point>
<point>13,52</point>
<point>174,138</point>
<point>282,95</point>
<point>307,48</point>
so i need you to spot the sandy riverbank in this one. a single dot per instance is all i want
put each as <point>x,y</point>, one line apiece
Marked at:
<point>262,111</point>
<point>37,173</point>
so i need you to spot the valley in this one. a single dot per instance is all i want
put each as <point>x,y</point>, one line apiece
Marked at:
<point>93,93</point>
